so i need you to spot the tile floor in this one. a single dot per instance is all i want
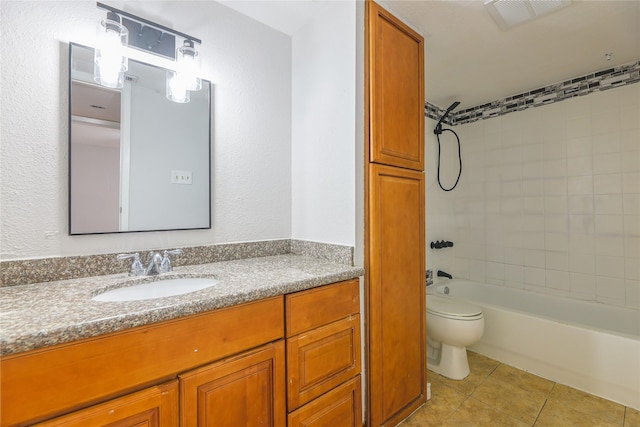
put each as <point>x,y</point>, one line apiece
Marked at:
<point>495,394</point>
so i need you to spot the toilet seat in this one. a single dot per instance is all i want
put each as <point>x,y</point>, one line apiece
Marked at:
<point>451,308</point>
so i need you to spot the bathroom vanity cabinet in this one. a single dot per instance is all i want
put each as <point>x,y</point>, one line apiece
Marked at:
<point>223,367</point>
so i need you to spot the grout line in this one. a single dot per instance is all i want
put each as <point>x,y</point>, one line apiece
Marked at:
<point>457,409</point>
<point>540,412</point>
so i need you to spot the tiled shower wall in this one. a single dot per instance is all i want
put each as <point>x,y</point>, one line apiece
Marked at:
<point>548,201</point>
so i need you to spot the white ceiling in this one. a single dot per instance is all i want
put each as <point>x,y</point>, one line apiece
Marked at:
<point>469,59</point>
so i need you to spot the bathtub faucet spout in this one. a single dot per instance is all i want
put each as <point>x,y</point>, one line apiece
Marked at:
<point>444,274</point>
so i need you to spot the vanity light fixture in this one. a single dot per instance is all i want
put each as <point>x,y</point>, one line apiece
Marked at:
<point>188,65</point>
<point>177,90</point>
<point>110,60</point>
<point>134,32</point>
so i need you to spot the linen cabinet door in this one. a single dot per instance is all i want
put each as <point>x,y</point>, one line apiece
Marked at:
<point>154,407</point>
<point>247,390</point>
<point>396,295</point>
<point>396,91</point>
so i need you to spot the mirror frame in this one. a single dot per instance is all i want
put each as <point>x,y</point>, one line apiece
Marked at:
<point>206,83</point>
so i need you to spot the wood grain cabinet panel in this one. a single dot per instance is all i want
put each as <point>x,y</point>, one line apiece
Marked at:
<point>316,307</point>
<point>396,294</point>
<point>341,407</point>
<point>324,355</point>
<point>396,90</point>
<point>51,381</point>
<point>322,359</point>
<point>247,390</point>
<point>154,407</point>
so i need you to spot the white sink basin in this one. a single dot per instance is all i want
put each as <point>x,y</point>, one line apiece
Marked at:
<point>157,289</point>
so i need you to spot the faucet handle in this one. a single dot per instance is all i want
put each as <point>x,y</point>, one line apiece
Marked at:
<point>137,269</point>
<point>165,265</point>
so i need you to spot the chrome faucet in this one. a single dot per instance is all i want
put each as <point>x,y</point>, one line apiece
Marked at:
<point>153,268</point>
<point>165,264</point>
<point>158,264</point>
<point>136,267</point>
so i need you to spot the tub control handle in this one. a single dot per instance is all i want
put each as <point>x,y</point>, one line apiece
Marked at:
<point>444,274</point>
<point>441,244</point>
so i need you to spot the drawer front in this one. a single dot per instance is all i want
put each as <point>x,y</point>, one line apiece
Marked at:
<point>321,359</point>
<point>319,306</point>
<point>154,407</point>
<point>341,407</point>
<point>54,380</point>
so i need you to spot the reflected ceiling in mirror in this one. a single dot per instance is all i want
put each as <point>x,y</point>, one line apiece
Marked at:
<point>137,161</point>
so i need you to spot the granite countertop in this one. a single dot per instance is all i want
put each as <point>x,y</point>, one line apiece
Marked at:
<point>43,314</point>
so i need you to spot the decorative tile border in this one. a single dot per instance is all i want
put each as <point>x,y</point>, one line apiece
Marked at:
<point>23,272</point>
<point>579,86</point>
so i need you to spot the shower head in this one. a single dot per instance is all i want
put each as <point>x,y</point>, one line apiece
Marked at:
<point>438,129</point>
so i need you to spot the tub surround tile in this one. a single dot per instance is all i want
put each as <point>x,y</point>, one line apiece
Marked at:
<point>29,320</point>
<point>24,272</point>
<point>551,94</point>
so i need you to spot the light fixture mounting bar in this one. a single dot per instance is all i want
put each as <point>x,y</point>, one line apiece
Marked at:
<point>149,23</point>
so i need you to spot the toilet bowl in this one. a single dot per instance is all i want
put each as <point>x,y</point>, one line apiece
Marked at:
<point>452,325</point>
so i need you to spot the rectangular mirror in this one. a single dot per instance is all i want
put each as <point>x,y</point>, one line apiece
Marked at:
<point>137,161</point>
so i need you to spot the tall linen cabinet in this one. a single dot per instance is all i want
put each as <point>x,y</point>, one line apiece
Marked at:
<point>395,218</point>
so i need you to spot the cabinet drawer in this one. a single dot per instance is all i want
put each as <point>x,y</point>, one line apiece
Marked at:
<point>155,406</point>
<point>341,407</point>
<point>246,390</point>
<point>319,306</point>
<point>321,359</point>
<point>57,379</point>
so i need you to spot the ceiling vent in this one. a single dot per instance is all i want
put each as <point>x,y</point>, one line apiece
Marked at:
<point>509,13</point>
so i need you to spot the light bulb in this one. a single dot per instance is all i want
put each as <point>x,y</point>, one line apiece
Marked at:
<point>188,65</point>
<point>177,90</point>
<point>110,62</point>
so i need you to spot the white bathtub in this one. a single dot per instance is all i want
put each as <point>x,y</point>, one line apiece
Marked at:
<point>589,346</point>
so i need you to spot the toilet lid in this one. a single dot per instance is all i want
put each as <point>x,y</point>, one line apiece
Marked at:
<point>448,306</point>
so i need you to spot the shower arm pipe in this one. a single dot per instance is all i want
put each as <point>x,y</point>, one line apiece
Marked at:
<point>438,129</point>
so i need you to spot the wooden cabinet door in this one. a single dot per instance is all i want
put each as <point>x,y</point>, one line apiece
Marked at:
<point>396,294</point>
<point>321,359</point>
<point>247,390</point>
<point>395,65</point>
<point>154,407</point>
<point>341,407</point>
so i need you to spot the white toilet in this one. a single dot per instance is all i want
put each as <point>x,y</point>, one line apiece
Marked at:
<point>452,325</point>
